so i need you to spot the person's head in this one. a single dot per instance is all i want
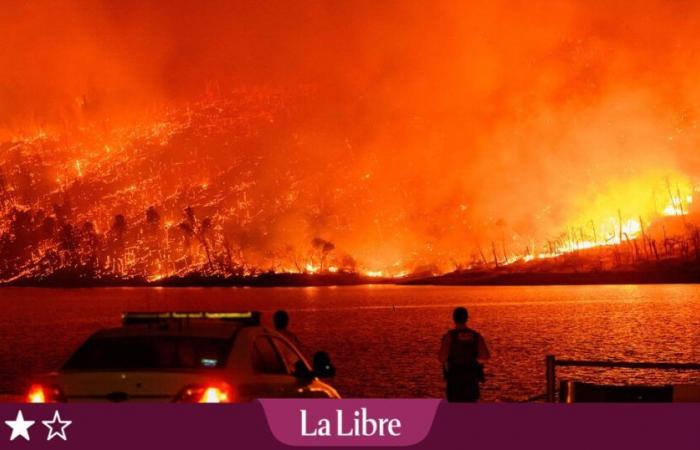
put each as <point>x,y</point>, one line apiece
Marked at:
<point>281,320</point>
<point>460,315</point>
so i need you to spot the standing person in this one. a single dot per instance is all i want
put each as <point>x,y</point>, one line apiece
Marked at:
<point>281,321</point>
<point>461,350</point>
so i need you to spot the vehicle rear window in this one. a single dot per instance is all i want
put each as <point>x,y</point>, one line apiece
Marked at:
<point>150,352</point>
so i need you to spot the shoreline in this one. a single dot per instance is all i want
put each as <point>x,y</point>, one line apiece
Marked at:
<point>561,279</point>
<point>681,274</point>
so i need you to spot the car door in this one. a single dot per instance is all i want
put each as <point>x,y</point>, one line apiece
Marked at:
<point>271,378</point>
<point>305,385</point>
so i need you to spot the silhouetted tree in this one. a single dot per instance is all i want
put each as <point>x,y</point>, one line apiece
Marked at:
<point>324,248</point>
<point>89,246</point>
<point>68,245</point>
<point>154,235</point>
<point>152,217</point>
<point>192,227</point>
<point>117,243</point>
<point>47,228</point>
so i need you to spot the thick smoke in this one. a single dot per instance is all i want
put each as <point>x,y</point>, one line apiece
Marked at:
<point>425,130</point>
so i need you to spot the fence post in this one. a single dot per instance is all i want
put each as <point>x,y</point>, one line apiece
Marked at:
<point>551,377</point>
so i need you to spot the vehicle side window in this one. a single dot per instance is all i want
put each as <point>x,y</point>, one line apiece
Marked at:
<point>292,358</point>
<point>150,353</point>
<point>265,358</point>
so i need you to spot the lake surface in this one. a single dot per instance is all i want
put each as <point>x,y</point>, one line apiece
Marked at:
<point>384,339</point>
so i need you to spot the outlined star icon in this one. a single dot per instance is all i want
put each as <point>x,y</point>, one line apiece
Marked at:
<point>57,424</point>
<point>20,427</point>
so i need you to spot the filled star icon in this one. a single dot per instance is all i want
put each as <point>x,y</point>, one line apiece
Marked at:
<point>56,426</point>
<point>20,427</point>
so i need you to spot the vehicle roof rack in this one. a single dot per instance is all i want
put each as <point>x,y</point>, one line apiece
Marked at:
<point>145,318</point>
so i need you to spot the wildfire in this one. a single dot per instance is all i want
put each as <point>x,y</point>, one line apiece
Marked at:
<point>153,230</point>
<point>623,211</point>
<point>640,198</point>
<point>310,268</point>
<point>676,207</point>
<point>290,146</point>
<point>374,273</point>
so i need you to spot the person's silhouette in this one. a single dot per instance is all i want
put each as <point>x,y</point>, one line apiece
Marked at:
<point>281,321</point>
<point>461,350</point>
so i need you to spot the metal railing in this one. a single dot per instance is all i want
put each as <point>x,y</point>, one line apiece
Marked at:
<point>552,362</point>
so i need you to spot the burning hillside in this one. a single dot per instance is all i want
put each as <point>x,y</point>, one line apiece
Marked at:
<point>202,191</point>
<point>156,140</point>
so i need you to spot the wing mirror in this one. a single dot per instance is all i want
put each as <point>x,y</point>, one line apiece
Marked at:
<point>322,365</point>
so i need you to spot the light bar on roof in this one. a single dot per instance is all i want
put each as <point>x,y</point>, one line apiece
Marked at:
<point>133,318</point>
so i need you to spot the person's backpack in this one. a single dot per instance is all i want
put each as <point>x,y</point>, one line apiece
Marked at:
<point>464,351</point>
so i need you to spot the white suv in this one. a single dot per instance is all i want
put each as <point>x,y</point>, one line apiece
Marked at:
<point>186,357</point>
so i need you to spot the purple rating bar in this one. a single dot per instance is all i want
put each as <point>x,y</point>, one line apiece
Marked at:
<point>350,423</point>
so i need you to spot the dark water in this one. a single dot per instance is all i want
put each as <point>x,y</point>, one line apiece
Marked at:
<point>384,339</point>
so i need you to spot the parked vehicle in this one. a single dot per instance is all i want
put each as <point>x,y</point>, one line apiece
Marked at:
<point>189,357</point>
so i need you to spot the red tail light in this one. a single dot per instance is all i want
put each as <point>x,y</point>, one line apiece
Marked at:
<point>44,394</point>
<point>215,395</point>
<point>211,393</point>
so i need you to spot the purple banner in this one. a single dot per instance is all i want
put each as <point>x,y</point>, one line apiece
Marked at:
<point>276,423</point>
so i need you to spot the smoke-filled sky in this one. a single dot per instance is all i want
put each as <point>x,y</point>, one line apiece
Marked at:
<point>462,122</point>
